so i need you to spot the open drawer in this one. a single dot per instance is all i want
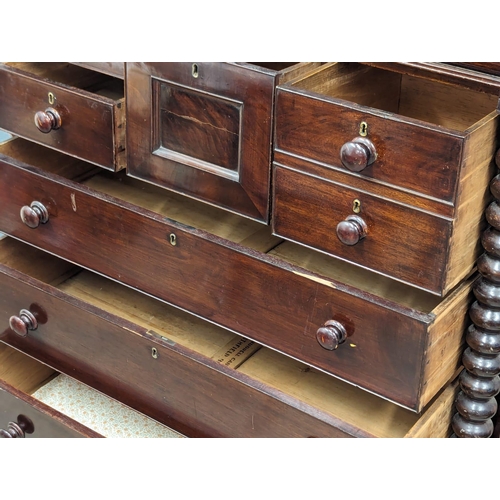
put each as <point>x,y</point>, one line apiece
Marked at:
<point>393,340</point>
<point>387,170</point>
<point>40,402</point>
<point>65,107</point>
<point>181,371</point>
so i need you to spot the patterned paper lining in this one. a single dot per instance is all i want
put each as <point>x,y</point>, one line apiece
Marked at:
<point>98,412</point>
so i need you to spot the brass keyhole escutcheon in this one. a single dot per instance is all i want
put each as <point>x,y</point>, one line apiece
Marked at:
<point>194,70</point>
<point>173,239</point>
<point>154,353</point>
<point>52,98</point>
<point>363,129</point>
<point>356,206</point>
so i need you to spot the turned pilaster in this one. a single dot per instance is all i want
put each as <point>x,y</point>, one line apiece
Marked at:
<point>480,382</point>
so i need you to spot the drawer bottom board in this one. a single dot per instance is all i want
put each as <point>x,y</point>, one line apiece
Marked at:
<point>99,412</point>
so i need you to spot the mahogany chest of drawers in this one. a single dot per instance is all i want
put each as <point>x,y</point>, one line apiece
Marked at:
<point>251,249</point>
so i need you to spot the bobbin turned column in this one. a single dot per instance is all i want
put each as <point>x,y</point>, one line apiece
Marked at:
<point>480,382</point>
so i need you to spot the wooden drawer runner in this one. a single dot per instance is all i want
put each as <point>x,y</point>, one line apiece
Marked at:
<point>175,367</point>
<point>401,343</point>
<point>90,106</point>
<point>205,129</point>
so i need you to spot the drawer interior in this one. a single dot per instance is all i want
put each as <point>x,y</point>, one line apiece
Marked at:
<point>334,269</point>
<point>267,368</point>
<point>75,400</point>
<point>276,66</point>
<point>74,76</point>
<point>434,102</point>
<point>286,71</point>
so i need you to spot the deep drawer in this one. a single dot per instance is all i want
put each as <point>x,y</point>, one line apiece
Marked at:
<point>194,377</point>
<point>401,343</point>
<point>205,129</point>
<point>71,109</point>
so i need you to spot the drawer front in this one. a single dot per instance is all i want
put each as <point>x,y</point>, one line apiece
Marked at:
<point>408,155</point>
<point>90,126</point>
<point>133,246</point>
<point>178,387</point>
<point>203,130</point>
<point>22,416</point>
<point>389,238</point>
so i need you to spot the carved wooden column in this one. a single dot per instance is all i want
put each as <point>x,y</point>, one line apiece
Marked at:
<point>480,381</point>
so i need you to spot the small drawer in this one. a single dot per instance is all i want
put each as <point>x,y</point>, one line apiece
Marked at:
<point>230,271</point>
<point>71,109</point>
<point>205,129</point>
<point>37,402</point>
<point>183,372</point>
<point>415,134</point>
<point>390,238</point>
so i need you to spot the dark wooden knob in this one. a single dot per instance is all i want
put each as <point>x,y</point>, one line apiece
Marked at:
<point>331,334</point>
<point>351,230</point>
<point>23,323</point>
<point>18,429</point>
<point>47,120</point>
<point>34,215</point>
<point>357,154</point>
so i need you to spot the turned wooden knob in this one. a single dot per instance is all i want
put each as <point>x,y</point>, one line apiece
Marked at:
<point>357,154</point>
<point>23,323</point>
<point>351,230</point>
<point>34,215</point>
<point>47,120</point>
<point>18,429</point>
<point>331,334</point>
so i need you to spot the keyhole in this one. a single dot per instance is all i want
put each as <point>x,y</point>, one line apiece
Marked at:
<point>194,70</point>
<point>363,129</point>
<point>356,206</point>
<point>173,239</point>
<point>154,352</point>
<point>52,98</point>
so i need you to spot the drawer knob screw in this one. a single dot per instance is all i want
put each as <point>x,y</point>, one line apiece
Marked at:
<point>357,154</point>
<point>351,230</point>
<point>34,215</point>
<point>47,120</point>
<point>23,323</point>
<point>331,335</point>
